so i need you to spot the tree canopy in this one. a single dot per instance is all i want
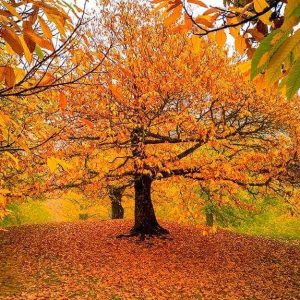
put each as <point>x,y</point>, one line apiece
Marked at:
<point>267,32</point>
<point>168,105</point>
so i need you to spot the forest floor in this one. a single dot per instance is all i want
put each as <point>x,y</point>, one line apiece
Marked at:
<point>85,260</point>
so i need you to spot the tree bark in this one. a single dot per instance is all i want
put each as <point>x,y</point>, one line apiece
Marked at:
<point>115,195</point>
<point>209,219</point>
<point>145,222</point>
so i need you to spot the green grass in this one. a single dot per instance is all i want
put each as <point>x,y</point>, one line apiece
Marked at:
<point>272,224</point>
<point>272,218</point>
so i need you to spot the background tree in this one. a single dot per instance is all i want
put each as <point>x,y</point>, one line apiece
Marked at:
<point>42,49</point>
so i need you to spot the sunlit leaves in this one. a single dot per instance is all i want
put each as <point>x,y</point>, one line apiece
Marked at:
<point>23,37</point>
<point>12,39</point>
<point>47,79</point>
<point>88,123</point>
<point>249,22</point>
<point>277,52</point>
<point>174,16</point>
<point>53,163</point>
<point>62,100</point>
<point>45,28</point>
<point>239,41</point>
<point>7,75</point>
<point>221,38</point>
<point>259,6</point>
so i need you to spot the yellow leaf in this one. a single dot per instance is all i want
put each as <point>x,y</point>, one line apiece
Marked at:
<point>19,73</point>
<point>45,28</point>
<point>4,191</point>
<point>260,82</point>
<point>196,44</point>
<point>9,50</point>
<point>2,202</point>
<point>52,163</point>
<point>58,21</point>
<point>16,161</point>
<point>259,6</point>
<point>27,53</point>
<point>240,43</point>
<point>265,18</point>
<point>245,66</point>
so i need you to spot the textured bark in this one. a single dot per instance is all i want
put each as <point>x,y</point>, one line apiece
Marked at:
<point>115,195</point>
<point>145,219</point>
<point>209,219</point>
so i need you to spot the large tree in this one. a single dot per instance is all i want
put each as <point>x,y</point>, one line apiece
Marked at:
<point>168,105</point>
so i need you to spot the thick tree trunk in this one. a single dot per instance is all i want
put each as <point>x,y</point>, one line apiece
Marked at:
<point>145,219</point>
<point>115,195</point>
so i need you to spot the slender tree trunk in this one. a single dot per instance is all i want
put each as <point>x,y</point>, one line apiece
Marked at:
<point>115,195</point>
<point>145,220</point>
<point>209,219</point>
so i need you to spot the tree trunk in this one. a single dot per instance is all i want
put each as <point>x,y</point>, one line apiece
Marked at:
<point>209,219</point>
<point>145,219</point>
<point>115,195</point>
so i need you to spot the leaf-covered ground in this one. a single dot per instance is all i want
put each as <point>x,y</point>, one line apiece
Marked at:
<point>85,261</point>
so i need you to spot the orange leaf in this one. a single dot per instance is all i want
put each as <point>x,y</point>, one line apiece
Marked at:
<point>204,20</point>
<point>88,123</point>
<point>174,16</point>
<point>220,37</point>
<point>47,79</point>
<point>46,30</point>
<point>8,75</point>
<point>62,101</point>
<point>13,40</point>
<point>116,91</point>
<point>43,43</point>
<point>198,2</point>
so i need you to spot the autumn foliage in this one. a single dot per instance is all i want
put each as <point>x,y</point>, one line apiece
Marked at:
<point>267,32</point>
<point>170,105</point>
<point>144,108</point>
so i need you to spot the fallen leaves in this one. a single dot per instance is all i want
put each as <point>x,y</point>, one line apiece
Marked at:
<point>84,260</point>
